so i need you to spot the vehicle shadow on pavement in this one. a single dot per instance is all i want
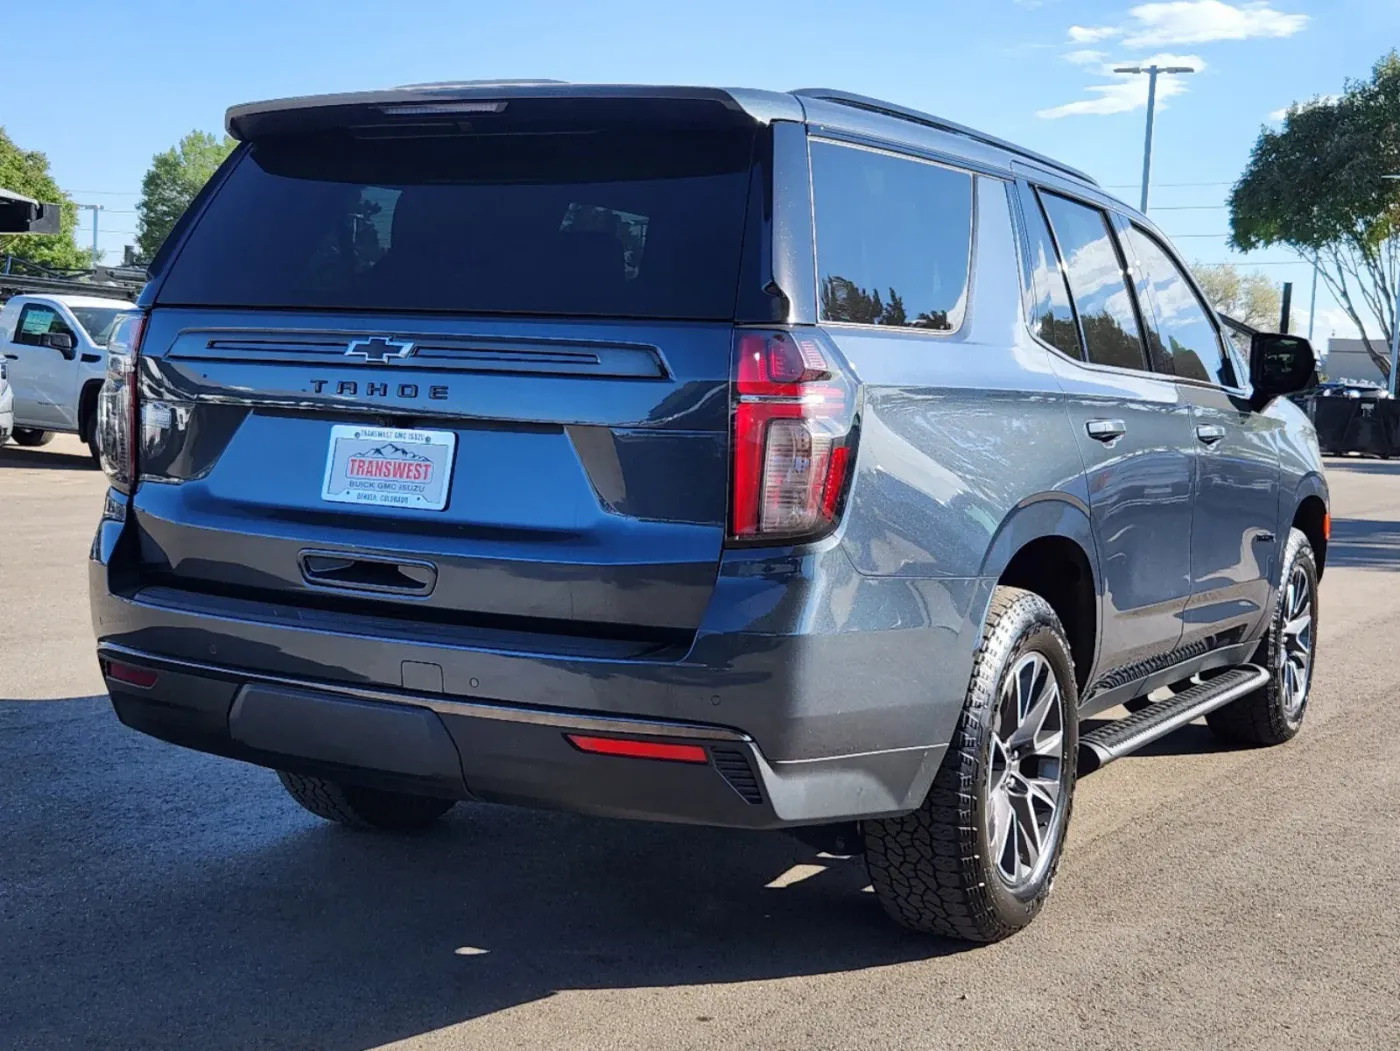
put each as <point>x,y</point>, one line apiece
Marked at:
<point>42,459</point>
<point>1365,544</point>
<point>159,897</point>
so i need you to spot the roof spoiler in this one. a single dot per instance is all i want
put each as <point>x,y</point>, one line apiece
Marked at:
<point>456,100</point>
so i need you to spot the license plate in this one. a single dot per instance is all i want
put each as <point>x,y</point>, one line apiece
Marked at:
<point>378,465</point>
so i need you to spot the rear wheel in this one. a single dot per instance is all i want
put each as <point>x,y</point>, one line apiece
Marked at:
<point>977,859</point>
<point>30,438</point>
<point>361,807</point>
<point>1274,713</point>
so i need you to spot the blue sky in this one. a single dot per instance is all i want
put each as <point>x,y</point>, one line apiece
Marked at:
<point>124,81</point>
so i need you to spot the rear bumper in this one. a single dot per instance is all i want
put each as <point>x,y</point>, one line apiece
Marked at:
<point>432,745</point>
<point>837,691</point>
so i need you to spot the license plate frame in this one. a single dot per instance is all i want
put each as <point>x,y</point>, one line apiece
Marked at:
<point>389,467</point>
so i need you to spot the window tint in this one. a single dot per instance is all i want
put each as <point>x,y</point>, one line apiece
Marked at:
<point>1189,340</point>
<point>35,322</point>
<point>1096,280</point>
<point>894,237</point>
<point>1052,317</point>
<point>616,221</point>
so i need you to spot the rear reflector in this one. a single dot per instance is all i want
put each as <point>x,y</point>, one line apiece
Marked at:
<point>676,753</point>
<point>132,676</point>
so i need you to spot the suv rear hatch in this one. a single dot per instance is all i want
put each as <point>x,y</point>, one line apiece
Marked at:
<point>467,366</point>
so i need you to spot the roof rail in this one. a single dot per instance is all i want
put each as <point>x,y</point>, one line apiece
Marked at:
<point>889,109</point>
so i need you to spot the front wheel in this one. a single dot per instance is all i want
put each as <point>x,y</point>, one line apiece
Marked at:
<point>359,807</point>
<point>977,859</point>
<point>31,438</point>
<point>1274,713</point>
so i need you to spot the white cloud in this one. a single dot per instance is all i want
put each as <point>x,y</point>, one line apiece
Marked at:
<point>1092,34</point>
<point>1321,100</point>
<point>1086,57</point>
<point>1203,21</point>
<point>1128,91</point>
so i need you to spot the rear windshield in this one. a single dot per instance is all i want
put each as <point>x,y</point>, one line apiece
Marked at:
<point>619,223</point>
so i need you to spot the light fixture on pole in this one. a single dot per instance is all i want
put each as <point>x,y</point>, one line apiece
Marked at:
<point>1152,74</point>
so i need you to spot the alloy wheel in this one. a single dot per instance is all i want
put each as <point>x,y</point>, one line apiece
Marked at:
<point>1296,643</point>
<point>1026,770</point>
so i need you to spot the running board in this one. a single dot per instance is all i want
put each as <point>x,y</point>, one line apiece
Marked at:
<point>1100,747</point>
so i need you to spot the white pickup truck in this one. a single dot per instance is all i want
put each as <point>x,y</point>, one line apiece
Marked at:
<point>55,351</point>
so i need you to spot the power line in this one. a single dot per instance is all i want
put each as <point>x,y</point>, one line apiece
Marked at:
<point>1163,185</point>
<point>1191,208</point>
<point>107,193</point>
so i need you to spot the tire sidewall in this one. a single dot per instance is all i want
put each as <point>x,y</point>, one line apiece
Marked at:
<point>1037,630</point>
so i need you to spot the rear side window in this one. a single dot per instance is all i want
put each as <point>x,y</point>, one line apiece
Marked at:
<point>1189,340</point>
<point>894,238</point>
<point>606,221</point>
<point>1096,280</point>
<point>1052,317</point>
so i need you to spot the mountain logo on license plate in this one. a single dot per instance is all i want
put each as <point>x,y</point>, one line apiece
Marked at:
<point>374,465</point>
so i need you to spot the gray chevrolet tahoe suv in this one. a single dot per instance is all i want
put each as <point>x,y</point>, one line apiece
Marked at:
<point>790,461</point>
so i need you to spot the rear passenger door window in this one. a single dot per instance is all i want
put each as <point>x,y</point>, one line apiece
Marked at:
<point>1052,316</point>
<point>1097,282</point>
<point>1189,340</point>
<point>894,238</point>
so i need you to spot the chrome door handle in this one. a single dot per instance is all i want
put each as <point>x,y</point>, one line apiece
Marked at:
<point>1210,434</point>
<point>1106,430</point>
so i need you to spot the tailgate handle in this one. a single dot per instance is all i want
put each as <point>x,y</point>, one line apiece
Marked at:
<point>395,576</point>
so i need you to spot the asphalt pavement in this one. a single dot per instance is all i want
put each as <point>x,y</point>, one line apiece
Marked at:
<point>152,897</point>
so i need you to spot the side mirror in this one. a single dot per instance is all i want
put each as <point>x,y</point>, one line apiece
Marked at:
<point>1280,365</point>
<point>59,341</point>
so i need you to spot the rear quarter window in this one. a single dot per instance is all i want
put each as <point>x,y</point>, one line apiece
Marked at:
<point>894,238</point>
<point>619,222</point>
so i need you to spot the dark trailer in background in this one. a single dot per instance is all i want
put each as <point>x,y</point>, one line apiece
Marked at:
<point>24,215</point>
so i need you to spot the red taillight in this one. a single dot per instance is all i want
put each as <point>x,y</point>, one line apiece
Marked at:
<point>631,749</point>
<point>117,409</point>
<point>794,421</point>
<point>131,675</point>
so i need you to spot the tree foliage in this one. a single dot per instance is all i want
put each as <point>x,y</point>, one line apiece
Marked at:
<point>1250,297</point>
<point>171,183</point>
<point>1318,187</point>
<point>27,172</point>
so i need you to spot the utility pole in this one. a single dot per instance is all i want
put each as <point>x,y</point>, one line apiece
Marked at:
<point>1394,323</point>
<point>1152,74</point>
<point>94,208</point>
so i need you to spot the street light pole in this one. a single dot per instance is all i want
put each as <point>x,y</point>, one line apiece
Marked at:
<point>1394,324</point>
<point>94,208</point>
<point>1152,73</point>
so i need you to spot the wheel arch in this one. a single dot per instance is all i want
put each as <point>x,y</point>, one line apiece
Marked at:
<point>1046,545</point>
<point>87,408</point>
<point>1311,514</point>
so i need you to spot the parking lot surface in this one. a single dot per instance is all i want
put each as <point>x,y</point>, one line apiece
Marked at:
<point>152,897</point>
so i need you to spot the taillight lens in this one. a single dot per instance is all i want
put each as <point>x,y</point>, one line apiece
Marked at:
<point>794,435</point>
<point>117,402</point>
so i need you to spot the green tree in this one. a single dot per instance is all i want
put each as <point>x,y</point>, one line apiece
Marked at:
<point>1318,187</point>
<point>27,172</point>
<point>1251,297</point>
<point>173,179</point>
